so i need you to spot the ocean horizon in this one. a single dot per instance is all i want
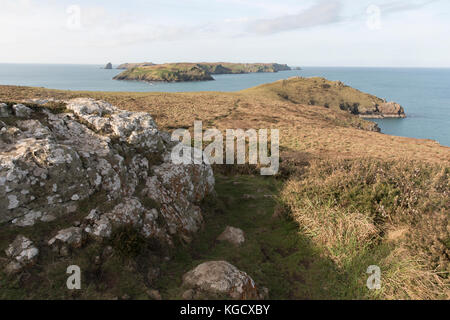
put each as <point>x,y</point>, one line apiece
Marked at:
<point>423,92</point>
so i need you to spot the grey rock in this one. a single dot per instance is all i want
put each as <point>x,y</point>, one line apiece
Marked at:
<point>21,111</point>
<point>4,111</point>
<point>220,278</point>
<point>232,235</point>
<point>72,237</point>
<point>50,164</point>
<point>22,253</point>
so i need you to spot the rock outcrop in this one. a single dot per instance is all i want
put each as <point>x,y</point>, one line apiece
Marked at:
<point>22,253</point>
<point>53,159</point>
<point>219,279</point>
<point>108,66</point>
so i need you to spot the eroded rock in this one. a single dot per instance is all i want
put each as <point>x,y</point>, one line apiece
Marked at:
<point>220,278</point>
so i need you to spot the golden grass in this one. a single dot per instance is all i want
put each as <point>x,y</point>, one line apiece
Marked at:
<point>368,212</point>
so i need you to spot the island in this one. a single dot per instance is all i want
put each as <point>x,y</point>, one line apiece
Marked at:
<point>178,72</point>
<point>108,66</point>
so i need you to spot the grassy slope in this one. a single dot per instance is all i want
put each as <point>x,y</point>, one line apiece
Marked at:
<point>340,179</point>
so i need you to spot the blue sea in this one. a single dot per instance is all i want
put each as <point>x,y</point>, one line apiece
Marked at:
<point>424,93</point>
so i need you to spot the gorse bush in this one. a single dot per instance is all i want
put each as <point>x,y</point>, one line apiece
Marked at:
<point>392,214</point>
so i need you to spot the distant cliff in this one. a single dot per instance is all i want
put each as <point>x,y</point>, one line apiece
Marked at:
<point>331,94</point>
<point>192,71</point>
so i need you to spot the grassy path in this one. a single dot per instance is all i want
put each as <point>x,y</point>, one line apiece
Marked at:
<point>274,254</point>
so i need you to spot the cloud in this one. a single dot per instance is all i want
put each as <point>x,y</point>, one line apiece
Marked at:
<point>322,13</point>
<point>399,6</point>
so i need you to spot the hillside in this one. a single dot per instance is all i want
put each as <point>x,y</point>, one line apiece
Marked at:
<point>176,72</point>
<point>330,94</point>
<point>346,197</point>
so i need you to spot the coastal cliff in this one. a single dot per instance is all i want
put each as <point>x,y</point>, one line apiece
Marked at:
<point>336,95</point>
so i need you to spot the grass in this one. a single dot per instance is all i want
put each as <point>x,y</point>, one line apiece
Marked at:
<point>390,214</point>
<point>346,198</point>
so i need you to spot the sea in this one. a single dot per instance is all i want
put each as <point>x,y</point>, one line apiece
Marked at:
<point>424,93</point>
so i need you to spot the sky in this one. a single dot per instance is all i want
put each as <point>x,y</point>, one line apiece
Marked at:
<point>374,33</point>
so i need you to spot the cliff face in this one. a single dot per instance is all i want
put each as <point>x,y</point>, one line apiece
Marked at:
<point>57,157</point>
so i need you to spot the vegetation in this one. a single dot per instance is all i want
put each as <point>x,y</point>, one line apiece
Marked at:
<point>175,72</point>
<point>346,198</point>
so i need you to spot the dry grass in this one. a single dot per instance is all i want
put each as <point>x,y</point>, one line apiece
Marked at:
<point>351,209</point>
<point>362,197</point>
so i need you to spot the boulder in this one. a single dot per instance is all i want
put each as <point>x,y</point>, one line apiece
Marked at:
<point>22,253</point>
<point>232,235</point>
<point>72,237</point>
<point>21,111</point>
<point>220,279</point>
<point>391,110</point>
<point>52,161</point>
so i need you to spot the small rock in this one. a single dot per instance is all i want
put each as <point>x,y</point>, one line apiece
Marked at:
<point>232,235</point>
<point>22,252</point>
<point>221,278</point>
<point>71,236</point>
<point>154,294</point>
<point>21,111</point>
<point>126,297</point>
<point>4,112</point>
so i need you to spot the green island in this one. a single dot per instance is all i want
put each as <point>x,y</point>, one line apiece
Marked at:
<point>177,72</point>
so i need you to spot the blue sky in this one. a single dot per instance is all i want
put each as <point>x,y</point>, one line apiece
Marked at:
<point>400,33</point>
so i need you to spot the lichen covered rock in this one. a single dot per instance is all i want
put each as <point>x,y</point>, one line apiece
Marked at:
<point>219,279</point>
<point>51,161</point>
<point>22,253</point>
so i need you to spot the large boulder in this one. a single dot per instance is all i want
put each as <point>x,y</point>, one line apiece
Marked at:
<point>391,110</point>
<point>51,160</point>
<point>220,279</point>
